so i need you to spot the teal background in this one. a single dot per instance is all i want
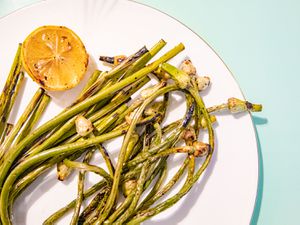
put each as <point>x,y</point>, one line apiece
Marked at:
<point>259,41</point>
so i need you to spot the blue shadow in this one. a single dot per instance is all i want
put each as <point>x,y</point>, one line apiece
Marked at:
<point>258,121</point>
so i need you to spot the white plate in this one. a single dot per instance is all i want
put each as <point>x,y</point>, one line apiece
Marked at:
<point>226,193</point>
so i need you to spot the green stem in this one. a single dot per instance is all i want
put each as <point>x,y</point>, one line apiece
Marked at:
<point>119,167</point>
<point>36,115</point>
<point>217,108</point>
<point>185,149</point>
<point>63,171</point>
<point>146,214</point>
<point>7,130</point>
<point>29,176</point>
<point>138,192</point>
<point>94,215</point>
<point>32,175</point>
<point>50,140</point>
<point>18,126</point>
<point>90,168</point>
<point>95,75</point>
<point>66,150</point>
<point>45,138</point>
<point>156,187</point>
<point>120,210</point>
<point>183,80</point>
<point>105,122</point>
<point>141,62</point>
<point>133,141</point>
<point>129,198</point>
<point>143,156</point>
<point>87,194</point>
<point>107,159</point>
<point>16,150</point>
<point>80,191</point>
<point>13,94</point>
<point>126,203</point>
<point>100,125</point>
<point>66,134</point>
<point>8,87</point>
<point>155,194</point>
<point>92,206</point>
<point>117,100</point>
<point>65,130</point>
<point>55,216</point>
<point>146,204</point>
<point>114,73</point>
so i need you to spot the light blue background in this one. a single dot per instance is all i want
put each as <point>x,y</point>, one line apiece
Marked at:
<point>259,41</point>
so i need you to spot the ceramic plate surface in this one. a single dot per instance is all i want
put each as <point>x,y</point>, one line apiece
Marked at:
<point>226,192</point>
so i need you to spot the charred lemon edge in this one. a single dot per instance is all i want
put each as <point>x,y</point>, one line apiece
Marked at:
<point>31,74</point>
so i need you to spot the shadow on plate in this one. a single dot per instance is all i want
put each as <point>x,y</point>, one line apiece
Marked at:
<point>258,121</point>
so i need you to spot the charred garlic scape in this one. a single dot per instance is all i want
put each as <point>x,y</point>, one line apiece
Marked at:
<point>235,105</point>
<point>114,60</point>
<point>145,93</point>
<point>202,81</point>
<point>83,126</point>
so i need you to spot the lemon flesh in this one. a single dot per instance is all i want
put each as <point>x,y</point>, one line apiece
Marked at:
<point>54,57</point>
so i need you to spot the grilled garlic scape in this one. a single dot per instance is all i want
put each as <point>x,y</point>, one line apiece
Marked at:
<point>145,93</point>
<point>202,81</point>
<point>189,135</point>
<point>236,105</point>
<point>128,186</point>
<point>83,126</point>
<point>201,149</point>
<point>188,67</point>
<point>62,171</point>
<point>161,74</point>
<point>129,117</point>
<point>153,109</point>
<point>115,60</point>
<point>203,121</point>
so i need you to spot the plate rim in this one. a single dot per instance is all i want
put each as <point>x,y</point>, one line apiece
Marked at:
<point>258,158</point>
